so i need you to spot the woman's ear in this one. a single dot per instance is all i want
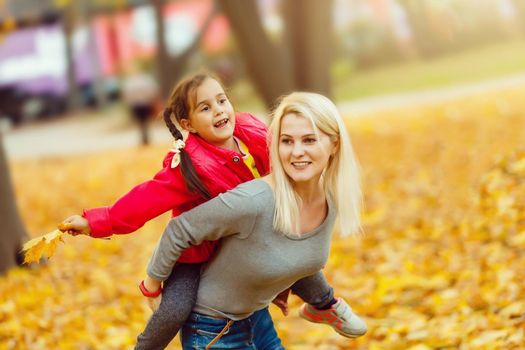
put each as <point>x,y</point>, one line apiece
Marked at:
<point>186,125</point>
<point>335,148</point>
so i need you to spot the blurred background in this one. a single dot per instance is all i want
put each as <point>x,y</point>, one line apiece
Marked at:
<point>433,95</point>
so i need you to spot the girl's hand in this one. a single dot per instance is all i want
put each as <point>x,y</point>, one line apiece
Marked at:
<point>154,303</point>
<point>152,286</point>
<point>75,225</point>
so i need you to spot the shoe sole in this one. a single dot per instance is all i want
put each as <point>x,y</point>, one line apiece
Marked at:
<point>352,336</point>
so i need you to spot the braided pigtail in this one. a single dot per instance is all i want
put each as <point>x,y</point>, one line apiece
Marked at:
<point>187,169</point>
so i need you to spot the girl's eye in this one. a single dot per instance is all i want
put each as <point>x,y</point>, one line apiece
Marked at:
<point>205,108</point>
<point>223,100</point>
<point>286,141</point>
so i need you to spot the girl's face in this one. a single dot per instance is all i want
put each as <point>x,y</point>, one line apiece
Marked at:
<point>212,117</point>
<point>303,154</point>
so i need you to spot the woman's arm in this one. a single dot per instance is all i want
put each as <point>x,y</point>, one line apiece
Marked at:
<point>233,212</point>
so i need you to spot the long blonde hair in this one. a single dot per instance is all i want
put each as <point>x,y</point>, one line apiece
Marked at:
<point>341,179</point>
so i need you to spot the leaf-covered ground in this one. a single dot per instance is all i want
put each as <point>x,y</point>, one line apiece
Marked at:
<point>440,264</point>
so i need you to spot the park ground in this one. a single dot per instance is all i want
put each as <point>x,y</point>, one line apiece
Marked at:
<point>439,264</point>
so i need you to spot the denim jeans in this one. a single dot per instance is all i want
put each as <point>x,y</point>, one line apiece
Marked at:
<point>253,333</point>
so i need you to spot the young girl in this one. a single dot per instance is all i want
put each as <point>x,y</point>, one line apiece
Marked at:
<point>276,229</point>
<point>223,149</point>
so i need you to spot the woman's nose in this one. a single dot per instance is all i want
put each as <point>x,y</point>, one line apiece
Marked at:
<point>298,149</point>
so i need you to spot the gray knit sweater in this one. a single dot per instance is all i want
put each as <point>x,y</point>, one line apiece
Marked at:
<point>254,262</point>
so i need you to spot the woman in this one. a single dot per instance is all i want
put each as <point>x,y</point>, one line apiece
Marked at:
<point>275,230</point>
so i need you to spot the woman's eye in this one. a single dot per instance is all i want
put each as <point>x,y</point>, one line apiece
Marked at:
<point>286,141</point>
<point>310,140</point>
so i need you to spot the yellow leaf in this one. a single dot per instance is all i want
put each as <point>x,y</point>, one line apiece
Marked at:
<point>43,246</point>
<point>34,253</point>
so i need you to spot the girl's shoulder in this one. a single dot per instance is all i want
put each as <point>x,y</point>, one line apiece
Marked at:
<point>251,130</point>
<point>248,120</point>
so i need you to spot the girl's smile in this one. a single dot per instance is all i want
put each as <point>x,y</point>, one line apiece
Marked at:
<point>213,117</point>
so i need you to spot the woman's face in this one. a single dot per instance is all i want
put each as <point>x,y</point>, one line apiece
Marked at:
<point>303,154</point>
<point>213,117</point>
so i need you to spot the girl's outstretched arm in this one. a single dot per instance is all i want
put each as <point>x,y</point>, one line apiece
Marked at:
<point>164,192</point>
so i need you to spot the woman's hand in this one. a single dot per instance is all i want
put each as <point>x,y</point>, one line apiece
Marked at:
<point>281,301</point>
<point>75,225</point>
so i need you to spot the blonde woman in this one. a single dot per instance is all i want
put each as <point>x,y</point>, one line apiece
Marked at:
<point>275,230</point>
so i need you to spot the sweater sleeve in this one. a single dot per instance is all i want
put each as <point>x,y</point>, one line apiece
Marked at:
<point>144,202</point>
<point>233,212</point>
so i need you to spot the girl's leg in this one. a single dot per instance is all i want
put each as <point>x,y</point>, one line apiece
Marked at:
<point>322,307</point>
<point>314,290</point>
<point>178,297</point>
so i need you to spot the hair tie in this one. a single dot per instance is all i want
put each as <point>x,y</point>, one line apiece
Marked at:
<point>178,145</point>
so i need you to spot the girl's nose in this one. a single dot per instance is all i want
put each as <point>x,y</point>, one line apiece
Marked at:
<point>218,109</point>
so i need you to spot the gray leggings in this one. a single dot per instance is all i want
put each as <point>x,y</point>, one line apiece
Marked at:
<point>180,293</point>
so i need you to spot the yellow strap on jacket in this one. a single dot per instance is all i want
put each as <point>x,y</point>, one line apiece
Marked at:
<point>248,160</point>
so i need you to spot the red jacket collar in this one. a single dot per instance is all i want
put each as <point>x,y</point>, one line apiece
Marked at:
<point>248,129</point>
<point>241,125</point>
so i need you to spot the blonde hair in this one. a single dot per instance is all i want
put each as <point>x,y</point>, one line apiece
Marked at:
<point>340,179</point>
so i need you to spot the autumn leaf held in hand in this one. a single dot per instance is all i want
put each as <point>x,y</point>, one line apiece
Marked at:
<point>43,246</point>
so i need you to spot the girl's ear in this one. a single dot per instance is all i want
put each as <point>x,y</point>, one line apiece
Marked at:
<point>186,125</point>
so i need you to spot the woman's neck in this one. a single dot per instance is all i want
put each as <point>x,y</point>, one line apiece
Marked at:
<point>310,191</point>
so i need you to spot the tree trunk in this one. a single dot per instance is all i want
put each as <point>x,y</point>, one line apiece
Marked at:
<point>268,65</point>
<point>68,23</point>
<point>171,69</point>
<point>163,67</point>
<point>12,231</point>
<point>417,15</point>
<point>309,36</point>
<point>519,7</point>
<point>301,62</point>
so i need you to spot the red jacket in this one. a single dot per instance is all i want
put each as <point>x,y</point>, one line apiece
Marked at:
<point>219,169</point>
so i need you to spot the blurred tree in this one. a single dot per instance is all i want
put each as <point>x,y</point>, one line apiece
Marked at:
<point>418,16</point>
<point>69,16</point>
<point>519,6</point>
<point>301,61</point>
<point>172,68</point>
<point>12,231</point>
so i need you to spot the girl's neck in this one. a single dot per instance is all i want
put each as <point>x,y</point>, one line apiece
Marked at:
<point>229,144</point>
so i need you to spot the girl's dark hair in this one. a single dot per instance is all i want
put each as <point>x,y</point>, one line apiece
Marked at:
<point>181,104</point>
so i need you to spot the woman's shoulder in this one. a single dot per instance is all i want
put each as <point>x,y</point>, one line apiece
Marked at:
<point>254,188</point>
<point>253,193</point>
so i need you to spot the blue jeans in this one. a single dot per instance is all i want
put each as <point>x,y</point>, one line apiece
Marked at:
<point>253,333</point>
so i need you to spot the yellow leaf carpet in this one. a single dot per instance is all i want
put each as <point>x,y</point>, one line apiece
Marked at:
<point>440,263</point>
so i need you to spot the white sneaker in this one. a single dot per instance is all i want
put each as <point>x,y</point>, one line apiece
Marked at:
<point>340,317</point>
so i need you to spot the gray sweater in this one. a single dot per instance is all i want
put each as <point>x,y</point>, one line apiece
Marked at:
<point>253,262</point>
